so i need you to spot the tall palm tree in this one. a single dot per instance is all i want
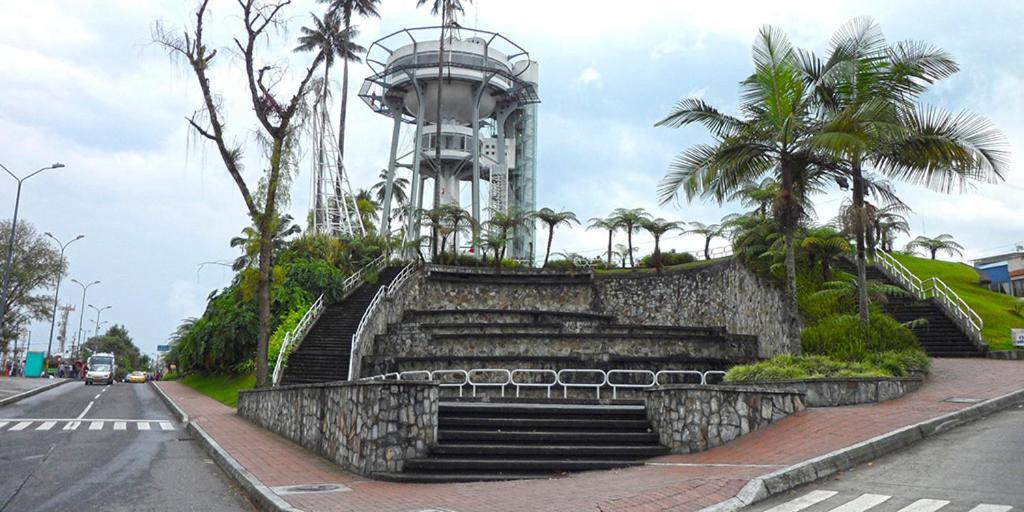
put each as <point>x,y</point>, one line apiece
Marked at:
<point>868,92</point>
<point>449,10</point>
<point>630,220</point>
<point>887,223</point>
<point>769,138</point>
<point>943,242</point>
<point>824,245</point>
<point>398,193</point>
<point>658,228</point>
<point>607,224</point>
<point>350,50</point>
<point>554,219</point>
<point>503,223</point>
<point>709,232</point>
<point>249,242</point>
<point>435,218</point>
<point>458,218</point>
<point>622,252</point>
<point>759,195</point>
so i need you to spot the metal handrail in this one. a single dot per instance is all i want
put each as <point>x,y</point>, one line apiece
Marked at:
<point>523,371</point>
<point>901,272</point>
<point>400,279</point>
<point>571,371</point>
<point>370,310</point>
<point>941,290</point>
<point>616,386</point>
<point>657,376</point>
<point>299,332</point>
<point>479,371</point>
<point>704,378</point>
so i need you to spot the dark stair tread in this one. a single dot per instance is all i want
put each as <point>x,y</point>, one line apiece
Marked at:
<point>453,477</point>
<point>506,464</point>
<point>572,451</point>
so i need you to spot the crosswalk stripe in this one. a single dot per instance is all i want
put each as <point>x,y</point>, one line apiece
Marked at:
<point>21,426</point>
<point>72,425</point>
<point>96,425</point>
<point>166,425</point>
<point>143,425</point>
<point>862,503</point>
<point>46,425</point>
<point>3,424</point>
<point>924,506</point>
<point>120,425</point>
<point>984,507</point>
<point>803,502</point>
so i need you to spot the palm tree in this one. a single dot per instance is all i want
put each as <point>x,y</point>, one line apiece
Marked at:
<point>770,138</point>
<point>758,195</point>
<point>609,225</point>
<point>348,50</point>
<point>435,218</point>
<point>824,245</point>
<point>657,228</point>
<point>630,220</point>
<point>622,252</point>
<point>888,222</point>
<point>398,193</point>
<point>709,232</point>
<point>943,242</point>
<point>249,242</point>
<point>449,10</point>
<point>503,223</point>
<point>553,219</point>
<point>491,241</point>
<point>868,91</point>
<point>454,216</point>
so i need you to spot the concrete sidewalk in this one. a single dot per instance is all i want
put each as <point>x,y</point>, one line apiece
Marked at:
<point>675,482</point>
<point>15,388</point>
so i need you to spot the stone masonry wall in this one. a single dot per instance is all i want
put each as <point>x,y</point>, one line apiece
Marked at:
<point>364,426</point>
<point>724,294</point>
<point>845,391</point>
<point>691,418</point>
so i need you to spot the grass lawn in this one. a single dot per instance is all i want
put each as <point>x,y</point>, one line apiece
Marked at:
<point>996,309</point>
<point>222,388</point>
<point>694,264</point>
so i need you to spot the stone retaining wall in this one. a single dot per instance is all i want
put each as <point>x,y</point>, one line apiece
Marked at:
<point>690,418</point>
<point>846,391</point>
<point>364,426</point>
<point>724,294</point>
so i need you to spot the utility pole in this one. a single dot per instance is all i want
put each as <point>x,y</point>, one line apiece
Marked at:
<point>81,315</point>
<point>98,311</point>
<point>56,292</point>
<point>14,229</point>
<point>63,336</point>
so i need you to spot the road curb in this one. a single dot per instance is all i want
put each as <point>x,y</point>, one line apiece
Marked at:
<point>262,496</point>
<point>842,459</point>
<point>21,396</point>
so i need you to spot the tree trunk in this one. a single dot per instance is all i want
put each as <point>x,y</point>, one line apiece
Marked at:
<point>629,239</point>
<point>551,234</point>
<point>609,248</point>
<point>440,77</point>
<point>707,248</point>
<point>344,105</point>
<point>657,254</point>
<point>933,252</point>
<point>789,226</point>
<point>858,226</point>
<point>263,301</point>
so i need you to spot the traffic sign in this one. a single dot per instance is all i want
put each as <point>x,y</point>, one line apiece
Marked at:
<point>1018,337</point>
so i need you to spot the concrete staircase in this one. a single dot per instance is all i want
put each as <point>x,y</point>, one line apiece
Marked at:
<point>511,439</point>
<point>323,355</point>
<point>940,336</point>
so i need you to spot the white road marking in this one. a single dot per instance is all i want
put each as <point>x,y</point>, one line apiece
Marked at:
<point>96,425</point>
<point>143,425</point>
<point>80,416</point>
<point>21,426</point>
<point>3,424</point>
<point>924,505</point>
<point>804,501</point>
<point>97,397</point>
<point>984,507</point>
<point>46,425</point>
<point>166,425</point>
<point>862,503</point>
<point>120,425</point>
<point>72,425</point>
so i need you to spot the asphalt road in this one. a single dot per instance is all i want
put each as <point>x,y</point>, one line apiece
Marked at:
<point>82,448</point>
<point>977,467</point>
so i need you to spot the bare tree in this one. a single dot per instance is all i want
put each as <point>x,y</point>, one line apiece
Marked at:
<point>277,122</point>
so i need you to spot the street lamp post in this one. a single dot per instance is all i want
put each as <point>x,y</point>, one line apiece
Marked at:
<point>98,311</point>
<point>14,228</point>
<point>56,292</point>
<point>81,313</point>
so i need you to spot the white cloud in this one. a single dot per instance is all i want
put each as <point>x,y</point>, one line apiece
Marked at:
<point>589,75</point>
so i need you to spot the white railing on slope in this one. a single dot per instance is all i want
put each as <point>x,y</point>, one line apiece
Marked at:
<point>313,314</point>
<point>382,293</point>
<point>297,333</point>
<point>933,287</point>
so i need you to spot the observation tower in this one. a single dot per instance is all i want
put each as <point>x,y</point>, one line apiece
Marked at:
<point>488,121</point>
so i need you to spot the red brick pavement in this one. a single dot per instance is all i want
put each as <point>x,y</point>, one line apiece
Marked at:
<point>674,482</point>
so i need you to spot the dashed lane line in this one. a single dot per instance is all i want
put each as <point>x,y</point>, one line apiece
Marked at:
<point>21,426</point>
<point>46,425</point>
<point>96,425</point>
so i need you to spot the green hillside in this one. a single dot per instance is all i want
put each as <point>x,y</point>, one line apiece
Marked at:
<point>996,309</point>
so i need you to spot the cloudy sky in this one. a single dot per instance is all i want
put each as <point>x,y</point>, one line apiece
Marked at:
<point>82,84</point>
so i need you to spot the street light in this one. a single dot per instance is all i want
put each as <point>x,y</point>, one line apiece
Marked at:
<point>98,311</point>
<point>56,292</point>
<point>14,228</point>
<point>81,313</point>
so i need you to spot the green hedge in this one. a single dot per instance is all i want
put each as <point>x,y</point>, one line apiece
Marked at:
<point>842,337</point>
<point>788,367</point>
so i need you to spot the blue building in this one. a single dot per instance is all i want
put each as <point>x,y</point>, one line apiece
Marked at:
<point>1004,273</point>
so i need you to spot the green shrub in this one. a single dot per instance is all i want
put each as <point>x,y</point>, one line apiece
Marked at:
<point>287,324</point>
<point>842,337</point>
<point>667,259</point>
<point>1018,307</point>
<point>901,363</point>
<point>788,367</point>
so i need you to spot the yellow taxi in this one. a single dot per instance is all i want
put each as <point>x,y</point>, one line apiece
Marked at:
<point>137,377</point>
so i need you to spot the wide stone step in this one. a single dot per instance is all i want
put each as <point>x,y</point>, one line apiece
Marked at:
<point>453,477</point>
<point>547,437</point>
<point>515,465</point>
<point>571,451</point>
<point>549,424</point>
<point>540,410</point>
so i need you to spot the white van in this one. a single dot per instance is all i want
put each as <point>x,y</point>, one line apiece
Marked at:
<point>101,369</point>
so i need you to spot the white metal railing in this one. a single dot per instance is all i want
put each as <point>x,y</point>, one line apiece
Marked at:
<point>934,287</point>
<point>400,279</point>
<point>502,378</point>
<point>297,333</point>
<point>370,310</point>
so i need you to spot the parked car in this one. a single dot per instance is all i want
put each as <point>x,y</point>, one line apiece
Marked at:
<point>136,378</point>
<point>102,368</point>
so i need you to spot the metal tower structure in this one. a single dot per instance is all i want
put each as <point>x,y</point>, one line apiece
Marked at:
<point>488,121</point>
<point>335,210</point>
